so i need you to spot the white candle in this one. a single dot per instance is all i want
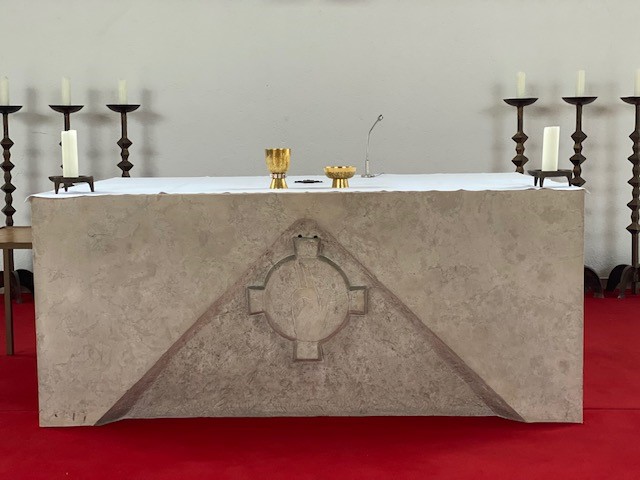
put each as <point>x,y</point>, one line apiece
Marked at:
<point>66,91</point>
<point>520,84</point>
<point>122,92</point>
<point>636,90</point>
<point>4,91</point>
<point>580,84</point>
<point>550,147</point>
<point>69,153</point>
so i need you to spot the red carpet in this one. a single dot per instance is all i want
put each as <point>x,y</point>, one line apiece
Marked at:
<point>607,446</point>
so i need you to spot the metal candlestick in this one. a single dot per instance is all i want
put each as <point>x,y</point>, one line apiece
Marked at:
<point>66,111</point>
<point>124,143</point>
<point>8,188</point>
<point>591,278</point>
<point>520,137</point>
<point>367,173</point>
<point>629,275</point>
<point>578,137</point>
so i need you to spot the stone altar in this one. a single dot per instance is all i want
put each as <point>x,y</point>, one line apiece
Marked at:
<point>246,302</point>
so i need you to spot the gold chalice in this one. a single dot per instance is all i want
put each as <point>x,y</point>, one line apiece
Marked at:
<point>278,163</point>
<point>340,175</point>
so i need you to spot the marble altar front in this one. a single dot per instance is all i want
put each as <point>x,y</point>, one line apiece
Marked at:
<point>404,295</point>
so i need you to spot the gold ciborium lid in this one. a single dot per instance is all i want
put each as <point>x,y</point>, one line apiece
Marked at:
<point>340,175</point>
<point>278,160</point>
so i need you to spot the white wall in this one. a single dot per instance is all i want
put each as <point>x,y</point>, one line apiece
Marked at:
<point>220,80</point>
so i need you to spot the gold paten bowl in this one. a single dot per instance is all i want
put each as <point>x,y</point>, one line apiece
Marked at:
<point>340,175</point>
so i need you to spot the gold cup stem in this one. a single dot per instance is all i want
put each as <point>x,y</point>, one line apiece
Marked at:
<point>340,183</point>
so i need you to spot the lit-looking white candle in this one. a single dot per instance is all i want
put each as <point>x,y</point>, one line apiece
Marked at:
<point>580,81</point>
<point>122,92</point>
<point>520,84</point>
<point>550,147</point>
<point>66,91</point>
<point>69,141</point>
<point>4,91</point>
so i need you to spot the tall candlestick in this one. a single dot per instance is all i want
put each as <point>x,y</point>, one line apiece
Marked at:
<point>122,92</point>
<point>550,148</point>
<point>636,90</point>
<point>66,91</point>
<point>580,82</point>
<point>520,84</point>
<point>124,143</point>
<point>4,91</point>
<point>69,140</point>
<point>8,188</point>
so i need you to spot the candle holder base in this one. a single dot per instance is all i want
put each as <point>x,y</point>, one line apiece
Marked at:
<point>541,175</point>
<point>592,283</point>
<point>67,182</point>
<point>623,277</point>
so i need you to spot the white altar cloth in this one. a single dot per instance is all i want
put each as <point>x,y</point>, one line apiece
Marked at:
<point>260,184</point>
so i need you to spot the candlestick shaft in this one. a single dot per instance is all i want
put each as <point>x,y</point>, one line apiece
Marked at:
<point>632,276</point>
<point>8,188</point>
<point>520,137</point>
<point>577,158</point>
<point>124,143</point>
<point>634,205</point>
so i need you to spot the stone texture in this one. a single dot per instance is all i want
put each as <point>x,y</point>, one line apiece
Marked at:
<point>473,305</point>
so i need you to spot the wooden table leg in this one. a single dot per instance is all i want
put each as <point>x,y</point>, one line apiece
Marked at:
<point>7,257</point>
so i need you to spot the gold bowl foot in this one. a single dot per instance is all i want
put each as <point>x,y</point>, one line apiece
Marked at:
<point>340,175</point>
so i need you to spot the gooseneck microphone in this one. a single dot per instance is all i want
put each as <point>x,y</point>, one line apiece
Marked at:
<point>367,173</point>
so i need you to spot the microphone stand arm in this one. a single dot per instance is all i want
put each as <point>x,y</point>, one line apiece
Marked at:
<point>367,173</point>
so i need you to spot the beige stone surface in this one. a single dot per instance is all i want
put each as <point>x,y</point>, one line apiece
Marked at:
<point>470,304</point>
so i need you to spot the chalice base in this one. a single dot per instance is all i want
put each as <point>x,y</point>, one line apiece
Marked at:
<point>277,183</point>
<point>340,183</point>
